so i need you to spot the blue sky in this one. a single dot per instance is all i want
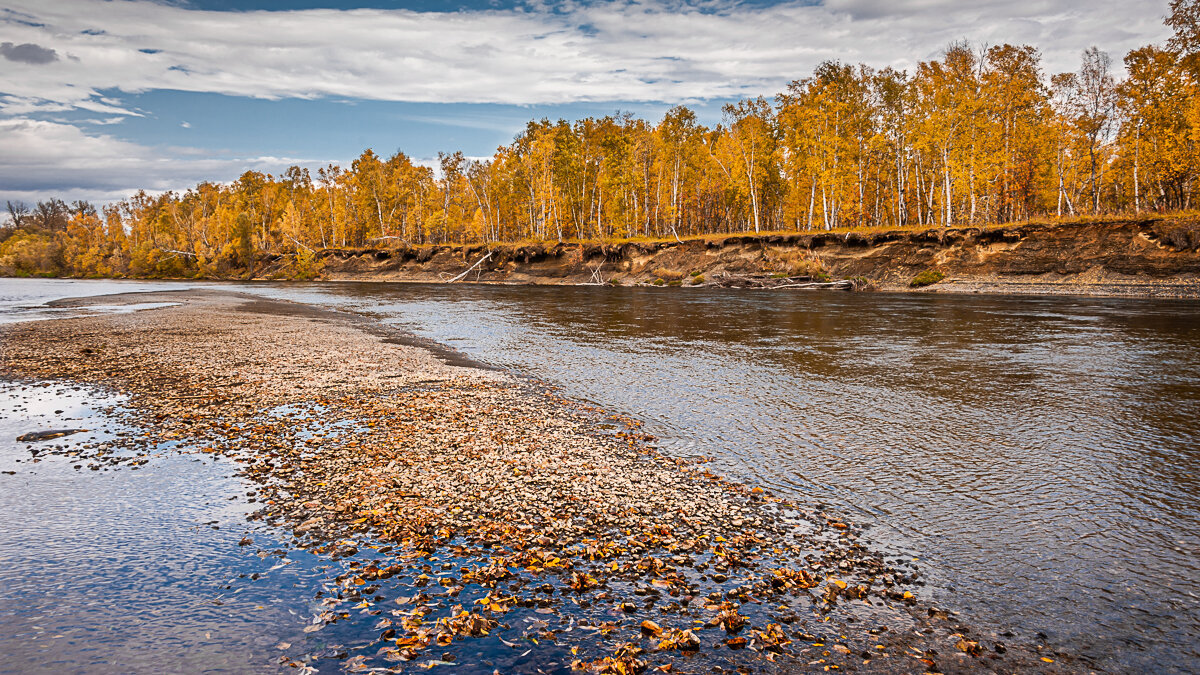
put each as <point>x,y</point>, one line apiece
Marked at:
<point>101,97</point>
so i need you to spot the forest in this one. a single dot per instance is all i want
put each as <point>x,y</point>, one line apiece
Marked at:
<point>978,136</point>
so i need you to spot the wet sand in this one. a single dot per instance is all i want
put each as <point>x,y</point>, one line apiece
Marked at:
<point>366,441</point>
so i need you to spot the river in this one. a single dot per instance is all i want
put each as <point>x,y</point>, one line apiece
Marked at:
<point>1040,456</point>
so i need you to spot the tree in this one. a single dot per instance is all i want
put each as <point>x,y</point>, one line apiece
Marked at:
<point>948,102</point>
<point>1064,90</point>
<point>18,213</point>
<point>1096,108</point>
<point>1016,102</point>
<point>1184,21</point>
<point>1155,137</point>
<point>51,215</point>
<point>749,128</point>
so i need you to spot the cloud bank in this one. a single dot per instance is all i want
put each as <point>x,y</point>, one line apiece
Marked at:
<point>71,55</point>
<point>657,50</point>
<point>41,155</point>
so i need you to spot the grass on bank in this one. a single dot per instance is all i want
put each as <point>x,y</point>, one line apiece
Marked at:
<point>1049,221</point>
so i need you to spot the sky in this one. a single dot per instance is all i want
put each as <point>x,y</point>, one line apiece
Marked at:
<point>100,98</point>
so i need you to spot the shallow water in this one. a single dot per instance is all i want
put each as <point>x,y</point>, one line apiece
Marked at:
<point>129,570</point>
<point>24,299</point>
<point>1040,456</point>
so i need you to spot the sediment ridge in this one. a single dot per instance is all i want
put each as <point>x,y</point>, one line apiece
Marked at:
<point>1153,256</point>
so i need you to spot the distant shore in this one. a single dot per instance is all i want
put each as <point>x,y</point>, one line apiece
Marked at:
<point>542,510</point>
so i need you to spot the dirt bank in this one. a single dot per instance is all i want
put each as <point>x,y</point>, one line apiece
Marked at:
<point>479,516</point>
<point>1149,256</point>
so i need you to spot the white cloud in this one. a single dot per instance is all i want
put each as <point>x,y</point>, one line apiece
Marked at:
<point>54,158</point>
<point>657,50</point>
<point>662,51</point>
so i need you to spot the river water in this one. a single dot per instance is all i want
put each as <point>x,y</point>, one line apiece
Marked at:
<point>1039,456</point>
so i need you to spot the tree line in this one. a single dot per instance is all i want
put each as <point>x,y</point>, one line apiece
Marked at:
<point>977,136</point>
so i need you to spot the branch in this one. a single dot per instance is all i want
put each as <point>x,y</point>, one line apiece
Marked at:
<point>847,284</point>
<point>468,271</point>
<point>294,241</point>
<point>597,277</point>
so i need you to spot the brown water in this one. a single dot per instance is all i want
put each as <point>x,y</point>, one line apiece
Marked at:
<point>1040,456</point>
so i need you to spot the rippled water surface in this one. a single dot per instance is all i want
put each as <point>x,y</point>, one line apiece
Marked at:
<point>1040,456</point>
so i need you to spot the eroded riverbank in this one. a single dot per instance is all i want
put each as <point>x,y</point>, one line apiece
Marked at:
<point>476,508</point>
<point>1139,257</point>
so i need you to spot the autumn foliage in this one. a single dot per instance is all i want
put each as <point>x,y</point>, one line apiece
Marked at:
<point>978,136</point>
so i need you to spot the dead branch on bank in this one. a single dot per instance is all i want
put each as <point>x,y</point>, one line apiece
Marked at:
<point>727,280</point>
<point>468,270</point>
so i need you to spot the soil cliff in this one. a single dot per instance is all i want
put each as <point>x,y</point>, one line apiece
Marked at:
<point>1149,256</point>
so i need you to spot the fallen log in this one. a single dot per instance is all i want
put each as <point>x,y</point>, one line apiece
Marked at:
<point>845,284</point>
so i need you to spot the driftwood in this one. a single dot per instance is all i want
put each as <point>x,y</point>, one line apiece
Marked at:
<point>770,282</point>
<point>597,277</point>
<point>844,284</point>
<point>468,270</point>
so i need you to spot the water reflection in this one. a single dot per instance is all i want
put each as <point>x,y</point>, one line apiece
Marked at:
<point>130,570</point>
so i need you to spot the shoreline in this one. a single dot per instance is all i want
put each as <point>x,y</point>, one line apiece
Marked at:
<point>1150,256</point>
<point>1157,289</point>
<point>544,503</point>
<point>1131,257</point>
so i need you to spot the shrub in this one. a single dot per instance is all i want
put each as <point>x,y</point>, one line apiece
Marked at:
<point>1183,236</point>
<point>697,279</point>
<point>808,267</point>
<point>675,282</point>
<point>795,263</point>
<point>667,274</point>
<point>694,273</point>
<point>304,265</point>
<point>28,254</point>
<point>658,282</point>
<point>927,278</point>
